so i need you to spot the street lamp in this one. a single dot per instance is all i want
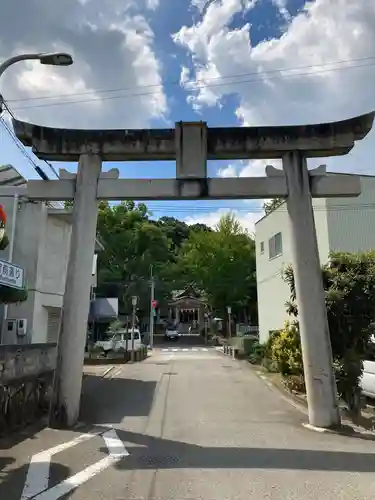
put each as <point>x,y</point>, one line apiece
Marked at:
<point>49,58</point>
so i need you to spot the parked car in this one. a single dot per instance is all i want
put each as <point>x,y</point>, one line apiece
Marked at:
<point>171,333</point>
<point>122,339</point>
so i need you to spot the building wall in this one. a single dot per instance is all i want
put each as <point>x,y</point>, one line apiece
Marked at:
<point>351,221</point>
<point>273,292</point>
<point>41,247</point>
<point>342,224</point>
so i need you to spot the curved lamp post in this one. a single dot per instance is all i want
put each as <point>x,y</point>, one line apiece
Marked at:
<point>49,58</point>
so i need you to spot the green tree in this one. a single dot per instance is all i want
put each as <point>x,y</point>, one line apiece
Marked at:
<point>349,281</point>
<point>175,230</point>
<point>131,244</point>
<point>270,206</point>
<point>221,263</point>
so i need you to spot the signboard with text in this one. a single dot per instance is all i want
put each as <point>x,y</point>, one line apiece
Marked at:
<point>11,275</point>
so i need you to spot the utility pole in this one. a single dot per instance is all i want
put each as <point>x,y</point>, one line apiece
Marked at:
<point>205,328</point>
<point>152,299</point>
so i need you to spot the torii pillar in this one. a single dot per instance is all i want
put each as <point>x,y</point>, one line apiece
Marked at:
<point>191,144</point>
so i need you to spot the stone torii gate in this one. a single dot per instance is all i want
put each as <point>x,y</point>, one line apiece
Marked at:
<point>191,144</point>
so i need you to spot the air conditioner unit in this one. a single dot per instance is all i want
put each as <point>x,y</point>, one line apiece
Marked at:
<point>11,326</point>
<point>21,327</point>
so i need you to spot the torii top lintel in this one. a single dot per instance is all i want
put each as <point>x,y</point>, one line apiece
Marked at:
<point>321,140</point>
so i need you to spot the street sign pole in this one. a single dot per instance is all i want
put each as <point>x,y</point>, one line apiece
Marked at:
<point>229,309</point>
<point>151,340</point>
<point>134,304</point>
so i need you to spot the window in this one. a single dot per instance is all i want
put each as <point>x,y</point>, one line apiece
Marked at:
<point>262,247</point>
<point>275,246</point>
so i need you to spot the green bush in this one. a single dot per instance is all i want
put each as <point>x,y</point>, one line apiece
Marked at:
<point>256,355</point>
<point>349,282</point>
<point>286,350</point>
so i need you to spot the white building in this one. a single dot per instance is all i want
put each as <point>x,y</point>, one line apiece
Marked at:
<point>342,225</point>
<point>41,248</point>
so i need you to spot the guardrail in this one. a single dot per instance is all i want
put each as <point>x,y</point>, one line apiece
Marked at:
<point>26,377</point>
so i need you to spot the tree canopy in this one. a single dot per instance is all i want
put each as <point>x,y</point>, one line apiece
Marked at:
<point>270,206</point>
<point>219,262</point>
<point>222,264</point>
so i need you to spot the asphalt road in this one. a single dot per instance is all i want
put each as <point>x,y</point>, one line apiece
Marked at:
<point>186,425</point>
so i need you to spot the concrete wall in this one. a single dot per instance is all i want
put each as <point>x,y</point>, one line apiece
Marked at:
<point>41,247</point>
<point>273,292</point>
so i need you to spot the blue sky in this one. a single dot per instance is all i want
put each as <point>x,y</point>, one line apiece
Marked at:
<point>212,45</point>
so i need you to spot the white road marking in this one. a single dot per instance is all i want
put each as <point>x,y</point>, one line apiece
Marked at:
<point>116,373</point>
<point>107,371</point>
<point>38,473</point>
<point>185,349</point>
<point>73,482</point>
<point>36,486</point>
<point>115,446</point>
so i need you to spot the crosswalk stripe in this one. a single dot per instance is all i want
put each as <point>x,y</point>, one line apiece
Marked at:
<point>185,349</point>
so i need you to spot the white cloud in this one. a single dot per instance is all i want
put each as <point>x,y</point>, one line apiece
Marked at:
<point>113,48</point>
<point>229,171</point>
<point>247,219</point>
<point>326,31</point>
<point>251,168</point>
<point>152,4</point>
<point>282,7</point>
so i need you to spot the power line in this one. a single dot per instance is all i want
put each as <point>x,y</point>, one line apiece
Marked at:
<point>177,82</point>
<point>175,210</point>
<point>198,87</point>
<point>21,147</point>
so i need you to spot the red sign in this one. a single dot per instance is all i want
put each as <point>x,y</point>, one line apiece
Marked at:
<point>154,303</point>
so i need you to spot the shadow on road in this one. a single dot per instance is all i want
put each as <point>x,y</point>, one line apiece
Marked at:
<point>12,480</point>
<point>17,436</point>
<point>110,400</point>
<point>153,453</point>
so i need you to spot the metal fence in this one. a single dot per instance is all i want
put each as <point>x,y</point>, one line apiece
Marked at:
<point>26,379</point>
<point>242,329</point>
